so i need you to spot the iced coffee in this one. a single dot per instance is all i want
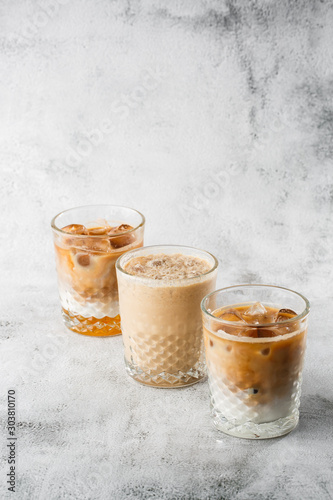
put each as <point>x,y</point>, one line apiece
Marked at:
<point>160,290</point>
<point>88,242</point>
<point>254,354</point>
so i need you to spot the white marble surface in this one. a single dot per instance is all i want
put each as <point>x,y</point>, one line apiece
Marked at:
<point>214,119</point>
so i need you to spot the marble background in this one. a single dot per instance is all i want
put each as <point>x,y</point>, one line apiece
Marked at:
<point>215,119</point>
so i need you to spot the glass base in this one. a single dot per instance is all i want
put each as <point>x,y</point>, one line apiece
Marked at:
<point>250,430</point>
<point>165,380</point>
<point>95,327</point>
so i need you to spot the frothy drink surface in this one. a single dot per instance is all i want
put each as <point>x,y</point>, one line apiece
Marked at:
<point>161,317</point>
<point>163,266</point>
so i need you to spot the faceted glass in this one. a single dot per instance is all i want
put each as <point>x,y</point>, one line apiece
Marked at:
<point>161,320</point>
<point>254,353</point>
<point>88,241</point>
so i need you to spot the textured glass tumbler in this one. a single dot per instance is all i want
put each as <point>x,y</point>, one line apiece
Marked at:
<point>255,380</point>
<point>88,241</point>
<point>161,321</point>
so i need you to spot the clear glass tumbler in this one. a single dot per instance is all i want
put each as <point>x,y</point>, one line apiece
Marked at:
<point>88,241</point>
<point>161,319</point>
<point>255,339</point>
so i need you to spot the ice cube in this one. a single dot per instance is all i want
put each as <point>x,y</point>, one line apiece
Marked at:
<point>284,315</point>
<point>124,227</point>
<point>232,315</point>
<point>281,319</point>
<point>121,241</point>
<point>75,229</point>
<point>95,245</point>
<point>98,231</point>
<point>267,333</point>
<point>257,309</point>
<point>248,332</point>
<point>258,314</point>
<point>237,327</point>
<point>83,259</point>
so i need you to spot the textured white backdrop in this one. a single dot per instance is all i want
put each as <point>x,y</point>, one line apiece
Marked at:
<point>215,119</point>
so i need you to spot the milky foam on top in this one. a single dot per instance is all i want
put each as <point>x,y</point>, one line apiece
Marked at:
<point>163,266</point>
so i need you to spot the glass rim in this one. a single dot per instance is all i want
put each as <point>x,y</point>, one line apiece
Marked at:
<point>300,316</point>
<point>120,268</point>
<point>102,236</point>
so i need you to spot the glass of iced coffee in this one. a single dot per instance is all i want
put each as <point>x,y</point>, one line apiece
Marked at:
<point>88,241</point>
<point>160,290</point>
<point>254,344</point>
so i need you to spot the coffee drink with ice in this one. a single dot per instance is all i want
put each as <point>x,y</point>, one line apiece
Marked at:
<point>254,353</point>
<point>88,241</point>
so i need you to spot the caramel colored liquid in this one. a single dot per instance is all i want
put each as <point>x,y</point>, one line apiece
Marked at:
<point>95,327</point>
<point>253,360</point>
<point>267,316</point>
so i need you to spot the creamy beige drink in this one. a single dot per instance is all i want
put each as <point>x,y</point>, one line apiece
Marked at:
<point>160,290</point>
